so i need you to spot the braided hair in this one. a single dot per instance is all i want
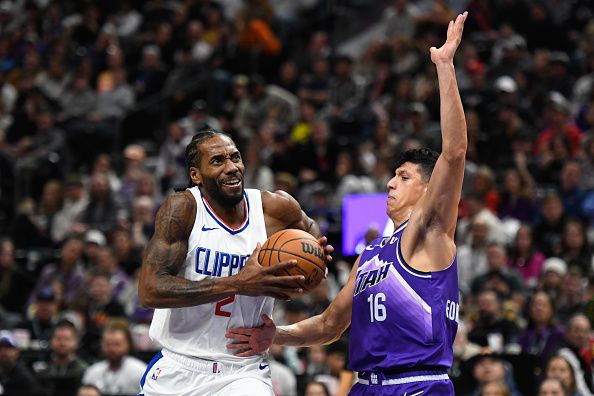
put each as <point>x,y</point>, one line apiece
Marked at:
<point>192,156</point>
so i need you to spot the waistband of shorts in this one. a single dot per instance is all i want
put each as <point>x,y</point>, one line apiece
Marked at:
<point>403,375</point>
<point>198,364</point>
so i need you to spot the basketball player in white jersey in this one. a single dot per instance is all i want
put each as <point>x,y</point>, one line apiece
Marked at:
<point>200,272</point>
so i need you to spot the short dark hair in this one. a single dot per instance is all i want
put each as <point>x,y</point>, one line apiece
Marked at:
<point>193,148</point>
<point>424,157</point>
<point>66,324</point>
<point>120,324</point>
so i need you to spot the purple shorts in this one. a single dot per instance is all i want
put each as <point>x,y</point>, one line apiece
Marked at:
<point>415,383</point>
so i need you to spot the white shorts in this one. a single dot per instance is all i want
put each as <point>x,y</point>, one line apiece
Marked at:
<point>170,373</point>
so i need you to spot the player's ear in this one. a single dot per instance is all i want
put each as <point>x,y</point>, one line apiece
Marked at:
<point>425,186</point>
<point>195,176</point>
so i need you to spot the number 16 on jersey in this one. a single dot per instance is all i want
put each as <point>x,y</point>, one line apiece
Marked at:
<point>377,310</point>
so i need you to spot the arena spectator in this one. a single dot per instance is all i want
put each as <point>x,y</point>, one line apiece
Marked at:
<point>551,278</point>
<point>15,377</point>
<point>524,256</point>
<point>67,272</point>
<point>491,329</point>
<point>61,371</point>
<point>15,284</point>
<point>558,367</point>
<point>576,340</point>
<point>517,196</point>
<point>170,168</point>
<point>73,204</point>
<point>548,231</point>
<point>45,313</point>
<point>499,278</point>
<point>104,208</point>
<point>119,373</point>
<point>571,300</point>
<point>574,245</point>
<point>489,368</point>
<point>542,334</point>
<point>472,257</point>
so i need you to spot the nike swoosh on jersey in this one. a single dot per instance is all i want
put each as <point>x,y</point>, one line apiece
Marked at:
<point>414,394</point>
<point>262,366</point>
<point>205,228</point>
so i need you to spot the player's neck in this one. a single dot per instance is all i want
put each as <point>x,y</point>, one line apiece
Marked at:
<point>401,217</point>
<point>232,215</point>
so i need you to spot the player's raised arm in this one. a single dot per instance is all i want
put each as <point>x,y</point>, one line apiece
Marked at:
<point>440,204</point>
<point>161,287</point>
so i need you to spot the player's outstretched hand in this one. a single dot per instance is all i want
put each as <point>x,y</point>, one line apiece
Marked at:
<point>445,53</point>
<point>256,280</point>
<point>252,341</point>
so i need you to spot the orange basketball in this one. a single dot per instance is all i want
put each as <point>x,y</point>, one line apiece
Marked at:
<point>297,245</point>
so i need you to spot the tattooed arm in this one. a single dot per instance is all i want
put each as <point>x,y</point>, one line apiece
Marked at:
<point>160,286</point>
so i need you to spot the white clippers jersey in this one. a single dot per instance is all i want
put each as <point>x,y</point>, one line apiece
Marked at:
<point>215,250</point>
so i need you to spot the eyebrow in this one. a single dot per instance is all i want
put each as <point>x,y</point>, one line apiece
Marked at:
<point>223,156</point>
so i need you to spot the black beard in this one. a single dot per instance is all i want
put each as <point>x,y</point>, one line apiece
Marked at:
<point>228,200</point>
<point>217,194</point>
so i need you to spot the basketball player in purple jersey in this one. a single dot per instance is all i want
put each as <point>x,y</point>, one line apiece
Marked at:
<point>401,299</point>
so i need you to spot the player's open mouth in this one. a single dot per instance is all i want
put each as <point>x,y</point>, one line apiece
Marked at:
<point>234,182</point>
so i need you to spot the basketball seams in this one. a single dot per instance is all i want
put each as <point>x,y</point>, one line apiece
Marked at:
<point>280,235</point>
<point>301,285</point>
<point>296,257</point>
<point>290,249</point>
<point>269,245</point>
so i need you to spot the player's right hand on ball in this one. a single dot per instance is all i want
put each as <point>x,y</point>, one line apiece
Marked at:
<point>256,280</point>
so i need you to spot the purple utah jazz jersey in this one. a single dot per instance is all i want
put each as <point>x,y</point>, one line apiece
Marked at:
<point>402,318</point>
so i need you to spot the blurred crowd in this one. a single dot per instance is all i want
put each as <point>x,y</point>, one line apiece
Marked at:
<point>99,99</point>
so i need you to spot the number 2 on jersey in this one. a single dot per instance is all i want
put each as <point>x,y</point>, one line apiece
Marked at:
<point>219,307</point>
<point>377,310</point>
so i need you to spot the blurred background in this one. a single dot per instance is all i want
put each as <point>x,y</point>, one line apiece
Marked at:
<point>99,98</point>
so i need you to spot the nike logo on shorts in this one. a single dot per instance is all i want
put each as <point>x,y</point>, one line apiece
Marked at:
<point>205,228</point>
<point>414,394</point>
<point>262,366</point>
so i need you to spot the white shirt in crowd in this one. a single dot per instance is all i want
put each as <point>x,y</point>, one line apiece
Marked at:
<point>124,381</point>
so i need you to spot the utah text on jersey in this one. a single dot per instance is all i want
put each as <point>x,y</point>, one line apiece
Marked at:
<point>369,278</point>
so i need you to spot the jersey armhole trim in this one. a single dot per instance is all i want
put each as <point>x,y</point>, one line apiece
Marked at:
<point>407,267</point>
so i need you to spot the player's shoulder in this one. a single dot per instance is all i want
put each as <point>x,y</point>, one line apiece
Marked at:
<point>278,200</point>
<point>177,213</point>
<point>179,200</point>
